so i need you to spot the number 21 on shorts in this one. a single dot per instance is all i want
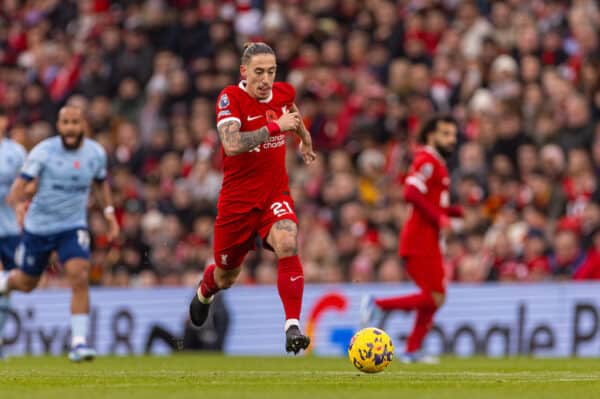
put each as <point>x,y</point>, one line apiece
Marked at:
<point>281,208</point>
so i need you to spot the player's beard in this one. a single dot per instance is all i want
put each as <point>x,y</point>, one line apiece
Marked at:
<point>72,147</point>
<point>445,152</point>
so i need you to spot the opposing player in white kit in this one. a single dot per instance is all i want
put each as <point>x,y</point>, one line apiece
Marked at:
<point>64,169</point>
<point>12,156</point>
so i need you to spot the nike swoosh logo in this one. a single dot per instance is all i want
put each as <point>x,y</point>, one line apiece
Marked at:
<point>292,279</point>
<point>251,118</point>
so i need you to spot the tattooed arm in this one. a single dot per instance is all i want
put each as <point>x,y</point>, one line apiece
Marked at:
<point>234,142</point>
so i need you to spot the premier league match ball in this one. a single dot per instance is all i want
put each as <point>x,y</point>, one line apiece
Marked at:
<point>371,350</point>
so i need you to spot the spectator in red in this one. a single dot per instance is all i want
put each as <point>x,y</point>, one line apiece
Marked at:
<point>590,269</point>
<point>535,255</point>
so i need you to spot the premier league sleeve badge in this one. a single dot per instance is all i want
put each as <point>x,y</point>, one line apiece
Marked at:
<point>224,101</point>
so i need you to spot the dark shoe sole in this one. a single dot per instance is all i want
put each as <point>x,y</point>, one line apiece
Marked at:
<point>297,343</point>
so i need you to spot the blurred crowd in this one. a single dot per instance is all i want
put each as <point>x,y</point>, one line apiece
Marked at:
<point>522,77</point>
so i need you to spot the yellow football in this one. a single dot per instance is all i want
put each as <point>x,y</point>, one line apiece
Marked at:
<point>371,350</point>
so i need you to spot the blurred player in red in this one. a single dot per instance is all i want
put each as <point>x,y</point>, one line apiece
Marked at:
<point>253,118</point>
<point>427,190</point>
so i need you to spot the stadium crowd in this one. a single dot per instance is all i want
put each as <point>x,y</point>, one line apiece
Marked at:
<point>521,77</point>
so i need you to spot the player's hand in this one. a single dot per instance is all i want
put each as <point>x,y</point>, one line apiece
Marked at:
<point>113,227</point>
<point>21,211</point>
<point>289,121</point>
<point>308,154</point>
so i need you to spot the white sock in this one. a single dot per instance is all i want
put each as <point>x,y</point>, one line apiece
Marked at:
<point>202,299</point>
<point>291,322</point>
<point>3,282</point>
<point>77,341</point>
<point>79,329</point>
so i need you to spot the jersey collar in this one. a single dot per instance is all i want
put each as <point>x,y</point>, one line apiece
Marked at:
<point>242,85</point>
<point>434,152</point>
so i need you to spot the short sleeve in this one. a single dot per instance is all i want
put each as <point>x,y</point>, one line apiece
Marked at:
<point>227,108</point>
<point>34,163</point>
<point>420,173</point>
<point>100,174</point>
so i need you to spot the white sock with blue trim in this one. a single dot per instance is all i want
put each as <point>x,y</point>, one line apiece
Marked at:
<point>3,282</point>
<point>79,329</point>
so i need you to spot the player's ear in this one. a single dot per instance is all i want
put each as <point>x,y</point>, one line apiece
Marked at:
<point>243,71</point>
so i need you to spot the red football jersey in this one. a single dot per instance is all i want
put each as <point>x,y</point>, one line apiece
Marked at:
<point>428,174</point>
<point>251,178</point>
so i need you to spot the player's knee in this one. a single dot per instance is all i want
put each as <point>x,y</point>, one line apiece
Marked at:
<point>79,279</point>
<point>283,238</point>
<point>439,298</point>
<point>286,246</point>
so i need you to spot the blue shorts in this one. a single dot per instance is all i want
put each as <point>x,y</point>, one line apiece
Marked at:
<point>8,246</point>
<point>35,250</point>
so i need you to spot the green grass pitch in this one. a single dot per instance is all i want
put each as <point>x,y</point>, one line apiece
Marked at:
<point>214,376</point>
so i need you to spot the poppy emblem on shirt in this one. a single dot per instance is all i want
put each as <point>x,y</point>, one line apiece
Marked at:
<point>76,164</point>
<point>271,115</point>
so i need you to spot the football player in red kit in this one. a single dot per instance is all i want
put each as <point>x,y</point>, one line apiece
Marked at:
<point>427,190</point>
<point>253,118</point>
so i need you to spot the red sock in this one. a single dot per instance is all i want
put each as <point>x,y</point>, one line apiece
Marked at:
<point>423,323</point>
<point>407,302</point>
<point>208,287</point>
<point>290,284</point>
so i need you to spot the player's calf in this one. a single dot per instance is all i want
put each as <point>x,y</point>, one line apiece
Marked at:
<point>26,285</point>
<point>17,280</point>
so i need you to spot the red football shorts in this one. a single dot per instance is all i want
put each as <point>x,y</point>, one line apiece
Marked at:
<point>235,235</point>
<point>427,271</point>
